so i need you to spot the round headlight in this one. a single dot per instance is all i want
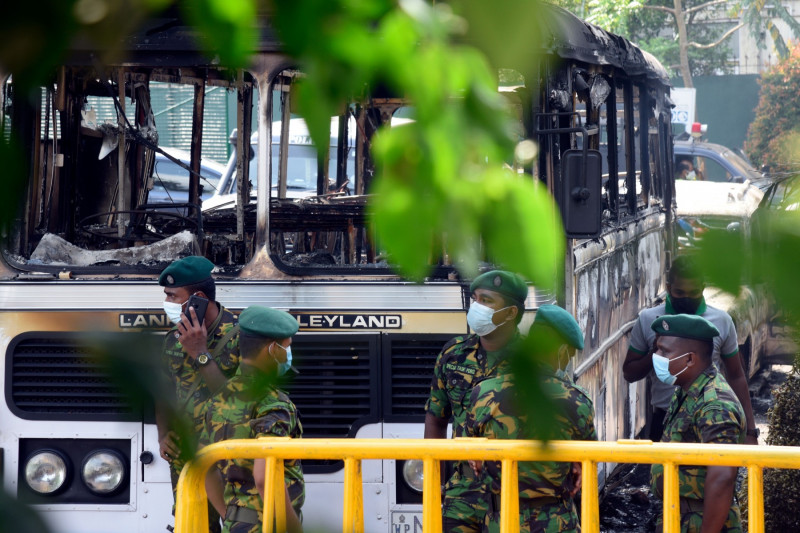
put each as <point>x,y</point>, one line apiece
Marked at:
<point>103,471</point>
<point>46,472</point>
<point>412,474</point>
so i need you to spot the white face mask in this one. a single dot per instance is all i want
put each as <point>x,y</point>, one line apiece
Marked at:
<point>479,318</point>
<point>691,175</point>
<point>173,311</point>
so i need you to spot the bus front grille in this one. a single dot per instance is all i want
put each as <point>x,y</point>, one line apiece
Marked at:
<point>410,360</point>
<point>334,389</point>
<point>61,376</point>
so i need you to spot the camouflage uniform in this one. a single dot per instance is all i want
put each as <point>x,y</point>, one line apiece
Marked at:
<point>248,407</point>
<point>544,487</point>
<point>708,412</point>
<point>461,364</point>
<point>191,391</point>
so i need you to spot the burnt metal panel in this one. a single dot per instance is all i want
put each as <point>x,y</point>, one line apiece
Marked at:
<point>569,37</point>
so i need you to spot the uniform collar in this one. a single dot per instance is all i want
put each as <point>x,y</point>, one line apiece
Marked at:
<point>701,309</point>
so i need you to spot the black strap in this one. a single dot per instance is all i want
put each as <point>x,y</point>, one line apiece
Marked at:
<point>235,513</point>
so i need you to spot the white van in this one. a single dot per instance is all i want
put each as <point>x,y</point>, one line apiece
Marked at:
<point>301,168</point>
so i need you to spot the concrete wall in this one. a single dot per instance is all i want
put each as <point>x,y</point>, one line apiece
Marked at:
<point>727,104</point>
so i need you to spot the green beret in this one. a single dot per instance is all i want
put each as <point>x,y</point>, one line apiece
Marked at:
<point>685,326</point>
<point>506,283</point>
<point>562,322</point>
<point>267,322</point>
<point>186,271</point>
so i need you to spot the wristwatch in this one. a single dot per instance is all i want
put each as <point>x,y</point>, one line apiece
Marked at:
<point>755,432</point>
<point>202,359</point>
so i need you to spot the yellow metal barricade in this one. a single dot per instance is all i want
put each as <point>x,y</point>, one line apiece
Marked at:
<point>191,511</point>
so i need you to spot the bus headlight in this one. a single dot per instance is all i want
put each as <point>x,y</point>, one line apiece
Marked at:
<point>103,471</point>
<point>412,474</point>
<point>46,472</point>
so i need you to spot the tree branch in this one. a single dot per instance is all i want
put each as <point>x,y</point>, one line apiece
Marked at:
<point>718,41</point>
<point>661,8</point>
<point>703,6</point>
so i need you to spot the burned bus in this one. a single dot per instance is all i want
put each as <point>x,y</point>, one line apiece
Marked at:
<point>89,243</point>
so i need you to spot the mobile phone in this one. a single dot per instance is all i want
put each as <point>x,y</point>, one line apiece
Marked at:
<point>200,305</point>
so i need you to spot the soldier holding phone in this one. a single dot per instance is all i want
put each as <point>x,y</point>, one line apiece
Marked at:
<point>201,352</point>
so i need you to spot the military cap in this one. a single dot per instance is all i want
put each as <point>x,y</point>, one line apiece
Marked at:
<point>186,271</point>
<point>267,322</point>
<point>506,283</point>
<point>562,322</point>
<point>685,326</point>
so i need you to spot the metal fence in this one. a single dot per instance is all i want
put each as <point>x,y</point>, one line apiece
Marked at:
<point>191,511</point>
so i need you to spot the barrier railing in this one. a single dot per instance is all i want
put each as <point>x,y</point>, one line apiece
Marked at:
<point>191,511</point>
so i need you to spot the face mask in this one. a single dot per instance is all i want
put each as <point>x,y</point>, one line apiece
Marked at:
<point>173,311</point>
<point>691,175</point>
<point>687,306</point>
<point>661,366</point>
<point>284,367</point>
<point>479,318</point>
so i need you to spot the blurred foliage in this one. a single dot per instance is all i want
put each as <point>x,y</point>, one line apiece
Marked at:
<point>768,259</point>
<point>772,138</point>
<point>134,364</point>
<point>18,517</point>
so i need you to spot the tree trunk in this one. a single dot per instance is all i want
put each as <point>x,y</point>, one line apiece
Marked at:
<point>683,43</point>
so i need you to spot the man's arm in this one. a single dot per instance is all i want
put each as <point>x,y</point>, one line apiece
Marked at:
<point>636,365</point>
<point>738,382</point>
<point>215,490</point>
<point>435,427</point>
<point>720,481</point>
<point>194,339</point>
<point>259,475</point>
<point>167,444</point>
<point>639,360</point>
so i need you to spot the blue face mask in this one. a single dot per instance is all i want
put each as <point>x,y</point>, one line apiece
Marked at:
<point>283,368</point>
<point>661,366</point>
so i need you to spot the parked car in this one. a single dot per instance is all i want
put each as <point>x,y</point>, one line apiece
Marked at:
<point>714,162</point>
<point>171,181</point>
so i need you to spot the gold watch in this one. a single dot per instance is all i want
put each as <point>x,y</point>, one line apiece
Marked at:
<point>202,359</point>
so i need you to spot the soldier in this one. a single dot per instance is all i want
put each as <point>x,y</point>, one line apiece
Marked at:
<point>199,357</point>
<point>546,489</point>
<point>685,285</point>
<point>250,406</point>
<point>703,409</point>
<point>498,301</point>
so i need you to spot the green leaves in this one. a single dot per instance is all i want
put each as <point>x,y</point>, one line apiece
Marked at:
<point>772,136</point>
